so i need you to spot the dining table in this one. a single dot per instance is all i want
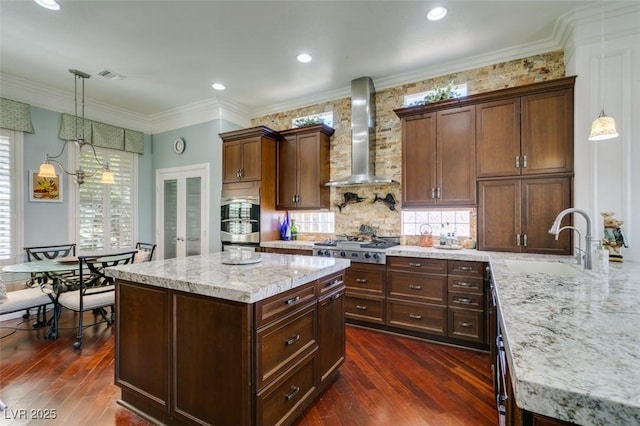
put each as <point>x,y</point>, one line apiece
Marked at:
<point>54,276</point>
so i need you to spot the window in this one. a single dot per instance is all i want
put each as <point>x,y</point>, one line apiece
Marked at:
<point>418,98</point>
<point>326,117</point>
<point>106,214</point>
<point>315,222</point>
<point>11,189</point>
<point>459,221</point>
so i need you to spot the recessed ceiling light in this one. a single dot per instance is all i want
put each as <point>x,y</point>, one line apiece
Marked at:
<point>49,4</point>
<point>218,86</point>
<point>304,58</point>
<point>437,13</point>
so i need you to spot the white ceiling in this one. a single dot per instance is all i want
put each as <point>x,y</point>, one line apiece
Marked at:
<point>170,52</point>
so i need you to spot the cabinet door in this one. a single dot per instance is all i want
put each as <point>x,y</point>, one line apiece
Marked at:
<point>287,172</point>
<point>419,161</point>
<point>308,165</point>
<point>251,160</point>
<point>331,335</point>
<point>498,138</point>
<point>231,161</point>
<point>542,200</point>
<point>499,215</point>
<point>456,156</point>
<point>547,132</point>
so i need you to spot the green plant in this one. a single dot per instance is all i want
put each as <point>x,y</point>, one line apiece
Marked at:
<point>302,122</point>
<point>439,94</point>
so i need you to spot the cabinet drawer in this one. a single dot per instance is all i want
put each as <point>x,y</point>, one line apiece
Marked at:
<point>417,316</point>
<point>467,269</point>
<point>432,266</point>
<point>368,279</point>
<point>279,403</point>
<point>282,342</point>
<point>466,301</point>
<point>466,284</point>
<point>330,283</point>
<point>417,287</point>
<point>466,324</point>
<point>269,309</point>
<point>364,308</point>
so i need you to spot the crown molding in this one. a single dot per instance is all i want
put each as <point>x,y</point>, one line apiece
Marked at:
<point>200,112</point>
<point>44,97</point>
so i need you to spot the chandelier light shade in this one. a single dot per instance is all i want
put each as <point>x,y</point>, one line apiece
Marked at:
<point>46,168</point>
<point>602,128</point>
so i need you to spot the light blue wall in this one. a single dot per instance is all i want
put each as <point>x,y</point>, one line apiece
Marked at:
<point>48,223</point>
<point>203,145</point>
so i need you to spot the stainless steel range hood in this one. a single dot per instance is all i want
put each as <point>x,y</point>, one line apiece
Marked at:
<point>363,136</point>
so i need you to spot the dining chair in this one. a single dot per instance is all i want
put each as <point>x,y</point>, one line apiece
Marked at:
<point>96,291</point>
<point>35,253</point>
<point>145,251</point>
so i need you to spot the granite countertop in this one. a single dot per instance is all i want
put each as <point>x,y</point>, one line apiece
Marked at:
<point>572,342</point>
<point>247,283</point>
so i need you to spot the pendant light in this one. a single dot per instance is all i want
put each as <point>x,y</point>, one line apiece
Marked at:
<point>603,127</point>
<point>46,168</point>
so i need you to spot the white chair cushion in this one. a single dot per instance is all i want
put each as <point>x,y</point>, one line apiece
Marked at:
<point>142,256</point>
<point>24,299</point>
<point>3,291</point>
<point>71,299</point>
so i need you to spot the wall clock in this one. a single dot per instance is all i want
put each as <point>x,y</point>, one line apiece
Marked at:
<point>178,146</point>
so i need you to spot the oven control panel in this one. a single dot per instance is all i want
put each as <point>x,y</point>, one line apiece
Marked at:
<point>364,256</point>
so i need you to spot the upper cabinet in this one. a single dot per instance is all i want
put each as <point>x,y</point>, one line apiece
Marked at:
<point>438,157</point>
<point>526,135</point>
<point>303,168</point>
<point>247,154</point>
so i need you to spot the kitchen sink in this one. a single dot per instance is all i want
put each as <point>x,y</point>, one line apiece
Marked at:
<point>553,268</point>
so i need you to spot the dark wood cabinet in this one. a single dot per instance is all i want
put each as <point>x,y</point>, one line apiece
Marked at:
<point>303,168</point>
<point>438,157</point>
<point>365,294</point>
<point>189,359</point>
<point>247,154</point>
<point>498,138</point>
<point>466,302</point>
<point>515,214</point>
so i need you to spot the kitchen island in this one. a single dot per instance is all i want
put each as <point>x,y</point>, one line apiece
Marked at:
<point>199,341</point>
<point>571,336</point>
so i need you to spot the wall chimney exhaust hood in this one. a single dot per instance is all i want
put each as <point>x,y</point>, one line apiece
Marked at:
<point>363,136</point>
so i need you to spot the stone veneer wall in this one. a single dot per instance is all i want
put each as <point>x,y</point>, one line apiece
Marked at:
<point>547,66</point>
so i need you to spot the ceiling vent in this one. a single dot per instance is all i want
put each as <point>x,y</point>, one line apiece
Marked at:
<point>110,75</point>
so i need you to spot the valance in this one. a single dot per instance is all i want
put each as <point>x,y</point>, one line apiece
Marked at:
<point>15,115</point>
<point>103,135</point>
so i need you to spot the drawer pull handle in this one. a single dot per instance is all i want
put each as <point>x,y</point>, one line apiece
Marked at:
<point>464,300</point>
<point>415,286</point>
<point>465,268</point>
<point>465,324</point>
<point>415,265</point>
<point>464,284</point>
<point>292,300</point>
<point>361,307</point>
<point>294,392</point>
<point>361,280</point>
<point>292,340</point>
<point>336,296</point>
<point>414,316</point>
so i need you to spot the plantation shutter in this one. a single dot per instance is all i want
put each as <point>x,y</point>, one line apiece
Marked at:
<point>5,199</point>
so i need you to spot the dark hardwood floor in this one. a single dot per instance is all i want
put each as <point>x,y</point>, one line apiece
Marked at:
<point>386,380</point>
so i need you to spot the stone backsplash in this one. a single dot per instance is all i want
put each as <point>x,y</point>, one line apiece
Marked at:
<point>542,67</point>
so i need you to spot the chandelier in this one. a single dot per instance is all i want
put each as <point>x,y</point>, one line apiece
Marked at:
<point>46,168</point>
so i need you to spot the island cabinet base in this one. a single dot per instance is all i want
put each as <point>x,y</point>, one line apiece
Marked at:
<point>183,358</point>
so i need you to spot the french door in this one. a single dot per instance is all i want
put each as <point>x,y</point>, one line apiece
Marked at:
<point>182,211</point>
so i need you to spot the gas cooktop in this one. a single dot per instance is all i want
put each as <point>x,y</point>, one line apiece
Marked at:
<point>371,251</point>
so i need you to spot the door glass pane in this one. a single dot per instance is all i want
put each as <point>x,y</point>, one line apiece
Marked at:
<point>170,218</point>
<point>194,225</point>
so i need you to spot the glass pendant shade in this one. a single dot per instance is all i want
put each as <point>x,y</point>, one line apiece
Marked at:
<point>602,128</point>
<point>47,171</point>
<point>107,178</point>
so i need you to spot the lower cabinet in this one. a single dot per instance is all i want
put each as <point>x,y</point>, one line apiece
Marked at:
<point>190,359</point>
<point>365,294</point>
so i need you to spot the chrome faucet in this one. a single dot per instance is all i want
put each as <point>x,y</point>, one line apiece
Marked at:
<point>555,230</point>
<point>579,249</point>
